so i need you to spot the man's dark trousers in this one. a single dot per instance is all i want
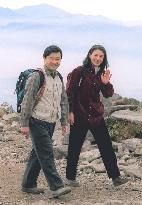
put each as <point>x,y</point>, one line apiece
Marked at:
<point>41,156</point>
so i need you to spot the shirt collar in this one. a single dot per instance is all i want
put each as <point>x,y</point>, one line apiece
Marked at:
<point>49,72</point>
<point>94,70</point>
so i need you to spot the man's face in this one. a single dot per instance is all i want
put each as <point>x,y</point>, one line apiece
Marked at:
<point>53,61</point>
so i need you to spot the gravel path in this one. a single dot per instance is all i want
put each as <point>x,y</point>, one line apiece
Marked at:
<point>95,188</point>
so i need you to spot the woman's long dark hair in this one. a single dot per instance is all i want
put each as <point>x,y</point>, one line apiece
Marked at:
<point>87,62</point>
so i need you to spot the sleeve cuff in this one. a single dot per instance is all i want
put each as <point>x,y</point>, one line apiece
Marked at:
<point>64,121</point>
<point>24,123</point>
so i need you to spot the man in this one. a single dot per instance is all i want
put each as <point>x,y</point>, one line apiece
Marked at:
<point>39,121</point>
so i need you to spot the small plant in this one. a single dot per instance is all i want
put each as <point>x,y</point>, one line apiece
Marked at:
<point>121,129</point>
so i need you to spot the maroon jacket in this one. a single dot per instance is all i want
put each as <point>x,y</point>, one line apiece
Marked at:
<point>84,101</point>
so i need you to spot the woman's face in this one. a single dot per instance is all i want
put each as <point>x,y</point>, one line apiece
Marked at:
<point>96,57</point>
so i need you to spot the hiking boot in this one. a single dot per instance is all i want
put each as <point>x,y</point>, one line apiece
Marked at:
<point>72,183</point>
<point>119,181</point>
<point>61,191</point>
<point>33,190</point>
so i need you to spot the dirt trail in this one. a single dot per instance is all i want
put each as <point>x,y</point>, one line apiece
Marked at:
<point>95,188</point>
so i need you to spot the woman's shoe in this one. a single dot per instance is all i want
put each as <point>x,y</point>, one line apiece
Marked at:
<point>119,181</point>
<point>72,183</point>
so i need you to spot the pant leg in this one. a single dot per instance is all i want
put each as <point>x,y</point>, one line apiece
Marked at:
<point>104,143</point>
<point>76,139</point>
<point>41,136</point>
<point>32,171</point>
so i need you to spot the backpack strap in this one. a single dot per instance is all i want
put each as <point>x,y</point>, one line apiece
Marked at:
<point>41,86</point>
<point>80,76</point>
<point>42,76</point>
<point>60,76</point>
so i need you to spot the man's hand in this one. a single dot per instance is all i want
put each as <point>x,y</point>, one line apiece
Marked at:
<point>25,131</point>
<point>105,77</point>
<point>71,118</point>
<point>65,130</point>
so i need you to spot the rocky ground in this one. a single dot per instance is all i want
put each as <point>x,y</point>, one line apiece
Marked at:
<point>95,188</point>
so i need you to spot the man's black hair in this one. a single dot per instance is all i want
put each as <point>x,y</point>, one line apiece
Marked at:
<point>52,49</point>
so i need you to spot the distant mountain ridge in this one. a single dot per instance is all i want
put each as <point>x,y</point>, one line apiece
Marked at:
<point>81,29</point>
<point>45,14</point>
<point>47,11</point>
<point>39,11</point>
<point>51,20</point>
<point>8,13</point>
<point>42,11</point>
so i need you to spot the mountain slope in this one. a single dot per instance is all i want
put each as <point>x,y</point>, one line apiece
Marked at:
<point>8,13</point>
<point>42,11</point>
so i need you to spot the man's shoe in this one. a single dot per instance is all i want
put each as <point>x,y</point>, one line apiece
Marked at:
<point>119,181</point>
<point>33,190</point>
<point>72,183</point>
<point>61,191</point>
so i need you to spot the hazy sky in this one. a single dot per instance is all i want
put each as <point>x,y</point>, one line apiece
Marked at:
<point>16,47</point>
<point>125,10</point>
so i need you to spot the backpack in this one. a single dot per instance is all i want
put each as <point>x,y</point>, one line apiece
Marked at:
<point>21,82</point>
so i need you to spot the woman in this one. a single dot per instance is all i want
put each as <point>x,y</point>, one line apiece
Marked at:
<point>86,113</point>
